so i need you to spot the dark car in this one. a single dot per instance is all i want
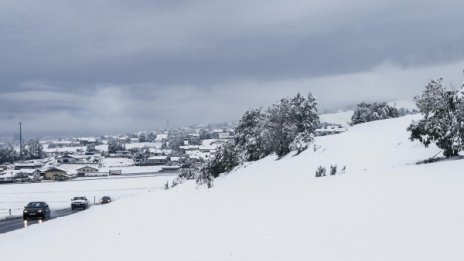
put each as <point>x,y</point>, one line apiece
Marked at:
<point>105,200</point>
<point>36,210</point>
<point>79,203</point>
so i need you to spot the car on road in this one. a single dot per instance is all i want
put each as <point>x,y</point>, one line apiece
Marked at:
<point>36,210</point>
<point>105,200</point>
<point>79,203</point>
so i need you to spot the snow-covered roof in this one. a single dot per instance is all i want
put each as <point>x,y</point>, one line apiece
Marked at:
<point>158,158</point>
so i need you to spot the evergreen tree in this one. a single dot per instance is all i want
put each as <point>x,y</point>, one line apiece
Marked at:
<point>248,136</point>
<point>443,118</point>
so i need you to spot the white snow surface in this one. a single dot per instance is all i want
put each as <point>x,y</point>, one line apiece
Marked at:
<point>384,207</point>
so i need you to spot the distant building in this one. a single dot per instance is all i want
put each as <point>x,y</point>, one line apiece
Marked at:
<point>330,129</point>
<point>67,159</point>
<point>87,169</point>
<point>157,160</point>
<point>223,135</point>
<point>56,174</point>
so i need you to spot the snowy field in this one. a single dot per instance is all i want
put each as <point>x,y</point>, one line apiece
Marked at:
<point>59,194</point>
<point>383,207</point>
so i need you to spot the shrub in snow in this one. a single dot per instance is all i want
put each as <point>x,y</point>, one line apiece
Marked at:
<point>166,186</point>
<point>443,118</point>
<point>333,170</point>
<point>366,112</point>
<point>320,172</point>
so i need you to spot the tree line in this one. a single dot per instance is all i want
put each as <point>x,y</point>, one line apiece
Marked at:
<point>288,125</point>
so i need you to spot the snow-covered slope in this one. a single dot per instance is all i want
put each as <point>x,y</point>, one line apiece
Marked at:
<point>385,207</point>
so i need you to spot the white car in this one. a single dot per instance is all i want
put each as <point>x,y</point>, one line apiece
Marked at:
<point>79,203</point>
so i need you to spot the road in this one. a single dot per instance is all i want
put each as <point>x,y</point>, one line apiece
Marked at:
<point>8,225</point>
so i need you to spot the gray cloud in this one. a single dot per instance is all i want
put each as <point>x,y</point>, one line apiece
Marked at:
<point>108,66</point>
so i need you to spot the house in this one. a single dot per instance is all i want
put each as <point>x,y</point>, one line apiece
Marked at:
<point>56,174</point>
<point>123,154</point>
<point>32,174</point>
<point>87,140</point>
<point>330,129</point>
<point>157,160</point>
<point>223,135</point>
<point>87,169</point>
<point>67,159</point>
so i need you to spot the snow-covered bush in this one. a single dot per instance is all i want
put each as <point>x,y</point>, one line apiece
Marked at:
<point>333,170</point>
<point>366,112</point>
<point>320,172</point>
<point>443,118</point>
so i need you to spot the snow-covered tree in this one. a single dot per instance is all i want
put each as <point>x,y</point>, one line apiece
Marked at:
<point>443,118</point>
<point>366,112</point>
<point>225,160</point>
<point>143,137</point>
<point>33,150</point>
<point>248,136</point>
<point>114,145</point>
<point>151,137</point>
<point>7,154</point>
<point>291,122</point>
<point>91,148</point>
<point>287,125</point>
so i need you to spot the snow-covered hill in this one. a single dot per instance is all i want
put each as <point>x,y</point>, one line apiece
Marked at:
<point>384,207</point>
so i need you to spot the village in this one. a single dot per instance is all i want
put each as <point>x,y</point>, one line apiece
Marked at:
<point>141,153</point>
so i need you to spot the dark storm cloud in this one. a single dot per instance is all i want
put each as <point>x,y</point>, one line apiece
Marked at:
<point>133,64</point>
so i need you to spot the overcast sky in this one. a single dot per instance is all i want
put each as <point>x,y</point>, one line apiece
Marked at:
<point>83,67</point>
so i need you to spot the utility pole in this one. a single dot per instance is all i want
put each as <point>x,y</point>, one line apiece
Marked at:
<point>20,141</point>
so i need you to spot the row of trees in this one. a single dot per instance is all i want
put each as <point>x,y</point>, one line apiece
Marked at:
<point>288,125</point>
<point>32,149</point>
<point>366,112</point>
